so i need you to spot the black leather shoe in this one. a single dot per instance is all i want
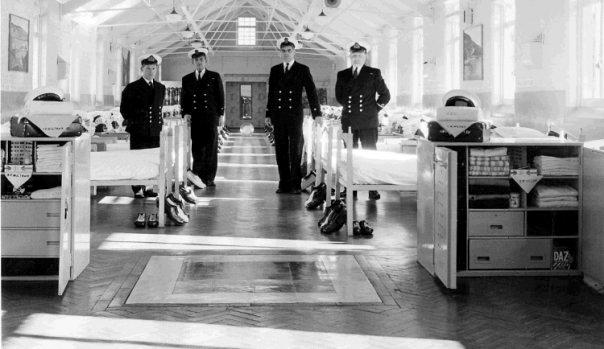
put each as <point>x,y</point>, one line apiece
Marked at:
<point>150,193</point>
<point>317,197</point>
<point>336,219</point>
<point>374,195</point>
<point>153,222</point>
<point>141,220</point>
<point>188,194</point>
<point>365,228</point>
<point>356,228</point>
<point>326,212</point>
<point>173,215</point>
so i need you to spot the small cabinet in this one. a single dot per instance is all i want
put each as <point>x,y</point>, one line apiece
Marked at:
<point>44,238</point>
<point>495,223</point>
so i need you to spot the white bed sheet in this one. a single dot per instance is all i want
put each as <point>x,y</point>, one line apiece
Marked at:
<point>124,165</point>
<point>381,167</point>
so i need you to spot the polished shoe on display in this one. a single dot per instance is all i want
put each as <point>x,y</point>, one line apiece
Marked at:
<point>374,195</point>
<point>316,197</point>
<point>140,194</point>
<point>188,194</point>
<point>173,201</point>
<point>335,221</point>
<point>335,207</point>
<point>153,222</point>
<point>326,212</point>
<point>141,220</point>
<point>193,178</point>
<point>149,193</point>
<point>308,180</point>
<point>366,229</point>
<point>172,213</point>
<point>356,228</point>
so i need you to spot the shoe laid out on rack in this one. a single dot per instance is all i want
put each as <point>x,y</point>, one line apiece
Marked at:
<point>193,178</point>
<point>336,218</point>
<point>356,228</point>
<point>188,194</point>
<point>153,222</point>
<point>366,229</point>
<point>178,205</point>
<point>141,220</point>
<point>308,180</point>
<point>326,212</point>
<point>172,214</point>
<point>317,197</point>
<point>374,195</point>
<point>140,194</point>
<point>149,193</point>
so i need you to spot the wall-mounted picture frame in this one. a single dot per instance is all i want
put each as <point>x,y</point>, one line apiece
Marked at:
<point>18,44</point>
<point>473,53</point>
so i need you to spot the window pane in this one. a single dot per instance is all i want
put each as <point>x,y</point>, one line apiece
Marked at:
<point>246,31</point>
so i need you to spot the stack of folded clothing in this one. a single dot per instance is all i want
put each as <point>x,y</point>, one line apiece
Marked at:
<point>555,196</point>
<point>489,162</point>
<point>51,193</point>
<point>552,166</point>
<point>489,193</point>
<point>49,158</point>
<point>20,153</point>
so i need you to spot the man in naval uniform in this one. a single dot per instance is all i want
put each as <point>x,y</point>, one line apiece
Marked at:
<point>356,90</point>
<point>141,107</point>
<point>285,112</point>
<point>202,104</point>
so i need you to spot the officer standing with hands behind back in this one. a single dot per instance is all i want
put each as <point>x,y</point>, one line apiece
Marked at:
<point>141,107</point>
<point>202,104</point>
<point>356,90</point>
<point>284,111</point>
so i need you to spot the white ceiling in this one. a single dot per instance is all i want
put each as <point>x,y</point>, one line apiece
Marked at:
<point>143,22</point>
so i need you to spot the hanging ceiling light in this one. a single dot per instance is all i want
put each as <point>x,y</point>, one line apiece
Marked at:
<point>307,34</point>
<point>173,16</point>
<point>187,33</point>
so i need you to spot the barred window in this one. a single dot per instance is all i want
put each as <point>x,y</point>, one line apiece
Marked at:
<point>246,31</point>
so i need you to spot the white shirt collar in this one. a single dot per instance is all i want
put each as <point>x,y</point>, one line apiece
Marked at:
<point>147,81</point>
<point>290,63</point>
<point>200,74</point>
<point>357,67</point>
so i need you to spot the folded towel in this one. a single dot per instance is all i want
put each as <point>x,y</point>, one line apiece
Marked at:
<point>543,191</point>
<point>51,193</point>
<point>502,151</point>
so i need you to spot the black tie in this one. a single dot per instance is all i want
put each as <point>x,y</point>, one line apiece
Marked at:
<point>286,67</point>
<point>356,72</point>
<point>151,84</point>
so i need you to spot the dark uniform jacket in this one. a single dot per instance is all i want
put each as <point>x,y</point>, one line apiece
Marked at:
<point>357,97</point>
<point>141,107</point>
<point>285,92</point>
<point>203,100</point>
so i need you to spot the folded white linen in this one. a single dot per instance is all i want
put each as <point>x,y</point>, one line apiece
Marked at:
<point>51,193</point>
<point>544,191</point>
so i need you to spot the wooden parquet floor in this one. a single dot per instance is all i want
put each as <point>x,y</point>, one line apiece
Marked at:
<point>495,312</point>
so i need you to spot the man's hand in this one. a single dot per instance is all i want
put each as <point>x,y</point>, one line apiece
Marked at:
<point>188,118</point>
<point>267,122</point>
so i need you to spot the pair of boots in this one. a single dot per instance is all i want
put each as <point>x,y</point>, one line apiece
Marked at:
<point>317,196</point>
<point>333,218</point>
<point>143,219</point>
<point>175,210</point>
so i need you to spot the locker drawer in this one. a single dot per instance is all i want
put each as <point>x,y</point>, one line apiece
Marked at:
<point>24,242</point>
<point>510,254</point>
<point>31,214</point>
<point>495,223</point>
